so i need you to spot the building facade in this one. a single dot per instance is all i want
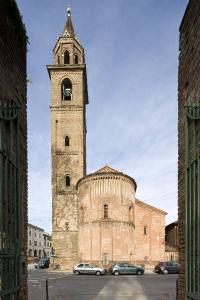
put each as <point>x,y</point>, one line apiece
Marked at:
<point>171,234</point>
<point>39,243</point>
<point>68,143</point>
<point>189,153</point>
<point>171,242</point>
<point>96,218</point>
<point>113,225</point>
<point>13,153</point>
<point>47,251</point>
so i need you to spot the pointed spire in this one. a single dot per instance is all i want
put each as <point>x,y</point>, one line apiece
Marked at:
<point>69,29</point>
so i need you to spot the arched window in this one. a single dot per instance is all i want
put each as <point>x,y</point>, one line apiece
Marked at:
<point>66,57</point>
<point>105,211</point>
<point>67,180</point>
<point>66,89</point>
<point>76,59</point>
<point>35,253</point>
<point>66,141</point>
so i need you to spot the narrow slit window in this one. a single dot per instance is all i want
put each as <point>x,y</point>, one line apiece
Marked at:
<point>76,59</point>
<point>66,57</point>
<point>66,141</point>
<point>105,211</point>
<point>67,180</point>
<point>145,230</point>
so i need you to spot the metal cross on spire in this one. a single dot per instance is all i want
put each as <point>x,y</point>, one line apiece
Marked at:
<point>69,7</point>
<point>69,29</point>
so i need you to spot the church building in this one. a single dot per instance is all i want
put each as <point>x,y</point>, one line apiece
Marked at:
<point>95,218</point>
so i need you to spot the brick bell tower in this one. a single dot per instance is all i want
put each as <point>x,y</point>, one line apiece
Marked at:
<point>69,97</point>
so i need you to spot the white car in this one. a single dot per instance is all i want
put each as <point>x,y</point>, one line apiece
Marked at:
<point>84,268</point>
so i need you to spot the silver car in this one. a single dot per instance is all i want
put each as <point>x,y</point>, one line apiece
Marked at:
<point>84,268</point>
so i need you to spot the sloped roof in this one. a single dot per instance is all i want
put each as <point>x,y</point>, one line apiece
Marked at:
<point>150,206</point>
<point>106,170</point>
<point>175,223</point>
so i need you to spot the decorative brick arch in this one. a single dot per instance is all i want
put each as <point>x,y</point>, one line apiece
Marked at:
<point>65,76</point>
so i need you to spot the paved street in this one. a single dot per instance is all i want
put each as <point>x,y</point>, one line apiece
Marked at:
<point>65,286</point>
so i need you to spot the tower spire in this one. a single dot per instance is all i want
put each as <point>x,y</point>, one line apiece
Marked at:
<point>69,28</point>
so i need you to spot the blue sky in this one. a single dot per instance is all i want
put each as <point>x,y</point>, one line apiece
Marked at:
<point>131,49</point>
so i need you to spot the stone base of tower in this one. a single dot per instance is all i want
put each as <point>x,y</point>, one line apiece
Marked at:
<point>60,263</point>
<point>65,245</point>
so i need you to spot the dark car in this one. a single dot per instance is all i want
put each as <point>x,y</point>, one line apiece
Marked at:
<point>168,267</point>
<point>43,263</point>
<point>124,268</point>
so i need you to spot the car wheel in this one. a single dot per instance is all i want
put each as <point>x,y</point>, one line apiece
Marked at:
<point>76,272</point>
<point>139,272</point>
<point>116,273</point>
<point>165,272</point>
<point>98,273</point>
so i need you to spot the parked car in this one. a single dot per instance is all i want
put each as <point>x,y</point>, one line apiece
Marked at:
<point>167,267</point>
<point>84,268</point>
<point>43,263</point>
<point>123,268</point>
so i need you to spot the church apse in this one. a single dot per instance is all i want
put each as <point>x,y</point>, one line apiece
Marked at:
<point>106,220</point>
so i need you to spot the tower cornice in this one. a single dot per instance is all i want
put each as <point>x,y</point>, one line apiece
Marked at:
<point>65,40</point>
<point>67,108</point>
<point>64,67</point>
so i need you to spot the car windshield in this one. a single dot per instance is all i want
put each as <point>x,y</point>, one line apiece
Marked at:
<point>89,266</point>
<point>43,260</point>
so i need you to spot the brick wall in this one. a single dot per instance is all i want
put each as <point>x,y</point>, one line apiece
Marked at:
<point>188,92</point>
<point>149,233</point>
<point>13,42</point>
<point>106,239</point>
<point>120,235</point>
<point>171,235</point>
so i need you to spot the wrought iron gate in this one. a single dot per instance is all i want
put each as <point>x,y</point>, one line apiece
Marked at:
<point>192,201</point>
<point>9,202</point>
